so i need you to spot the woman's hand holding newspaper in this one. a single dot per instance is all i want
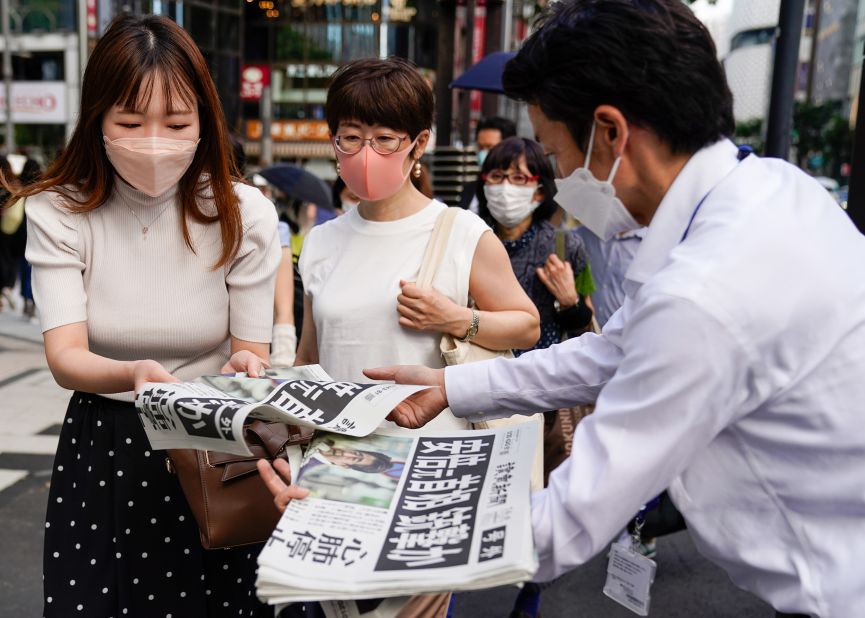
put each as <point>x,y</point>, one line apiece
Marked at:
<point>283,493</point>
<point>420,408</point>
<point>247,362</point>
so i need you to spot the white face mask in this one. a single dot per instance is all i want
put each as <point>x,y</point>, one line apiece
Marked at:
<point>510,204</point>
<point>594,201</point>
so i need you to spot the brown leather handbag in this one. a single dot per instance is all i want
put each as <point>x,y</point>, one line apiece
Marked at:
<point>228,499</point>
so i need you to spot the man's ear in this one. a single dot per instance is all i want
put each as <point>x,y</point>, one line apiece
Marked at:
<point>612,133</point>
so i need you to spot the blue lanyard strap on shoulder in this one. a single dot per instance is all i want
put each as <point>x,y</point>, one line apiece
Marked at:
<point>744,151</point>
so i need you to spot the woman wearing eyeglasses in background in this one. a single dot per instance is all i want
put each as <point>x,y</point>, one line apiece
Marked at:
<point>515,196</point>
<point>362,308</point>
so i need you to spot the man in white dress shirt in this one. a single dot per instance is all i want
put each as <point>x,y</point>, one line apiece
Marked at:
<point>734,373</point>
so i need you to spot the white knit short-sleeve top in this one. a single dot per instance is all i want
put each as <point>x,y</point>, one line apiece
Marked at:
<point>148,295</point>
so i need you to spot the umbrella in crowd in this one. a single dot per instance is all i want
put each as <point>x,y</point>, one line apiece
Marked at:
<point>485,75</point>
<point>299,184</point>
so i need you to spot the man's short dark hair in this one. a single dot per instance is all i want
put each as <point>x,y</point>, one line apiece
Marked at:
<point>651,59</point>
<point>506,127</point>
<point>380,463</point>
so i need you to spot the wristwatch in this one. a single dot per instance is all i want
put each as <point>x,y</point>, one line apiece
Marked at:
<point>472,330</point>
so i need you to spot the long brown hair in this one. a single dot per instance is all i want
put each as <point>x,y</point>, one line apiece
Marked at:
<point>127,59</point>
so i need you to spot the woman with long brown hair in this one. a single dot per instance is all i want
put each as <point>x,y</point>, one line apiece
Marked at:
<point>150,263</point>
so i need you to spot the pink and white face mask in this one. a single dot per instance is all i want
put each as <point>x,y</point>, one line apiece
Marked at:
<point>150,164</point>
<point>373,176</point>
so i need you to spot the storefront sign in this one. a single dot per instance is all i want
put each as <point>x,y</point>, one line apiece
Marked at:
<point>36,103</point>
<point>253,79</point>
<point>291,130</point>
<point>310,70</point>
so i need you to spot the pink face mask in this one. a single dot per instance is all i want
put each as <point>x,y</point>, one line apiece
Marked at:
<point>373,176</point>
<point>150,164</point>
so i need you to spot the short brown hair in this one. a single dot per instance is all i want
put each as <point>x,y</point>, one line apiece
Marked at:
<point>388,92</point>
<point>132,53</point>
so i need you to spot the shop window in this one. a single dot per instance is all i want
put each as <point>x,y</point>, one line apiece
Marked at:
<point>38,66</point>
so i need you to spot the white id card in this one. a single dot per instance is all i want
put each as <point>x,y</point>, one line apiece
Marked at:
<point>629,578</point>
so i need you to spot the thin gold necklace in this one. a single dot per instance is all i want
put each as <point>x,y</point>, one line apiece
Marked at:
<point>145,228</point>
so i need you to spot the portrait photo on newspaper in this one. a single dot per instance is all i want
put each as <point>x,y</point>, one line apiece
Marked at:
<point>355,470</point>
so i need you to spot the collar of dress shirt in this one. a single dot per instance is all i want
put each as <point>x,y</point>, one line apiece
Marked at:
<point>705,169</point>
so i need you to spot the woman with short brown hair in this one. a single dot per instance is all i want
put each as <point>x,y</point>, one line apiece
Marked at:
<point>362,306</point>
<point>150,263</point>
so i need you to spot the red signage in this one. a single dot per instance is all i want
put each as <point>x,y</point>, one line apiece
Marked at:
<point>91,18</point>
<point>478,35</point>
<point>253,79</point>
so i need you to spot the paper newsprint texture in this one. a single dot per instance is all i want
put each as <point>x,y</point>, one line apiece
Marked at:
<point>395,514</point>
<point>209,414</point>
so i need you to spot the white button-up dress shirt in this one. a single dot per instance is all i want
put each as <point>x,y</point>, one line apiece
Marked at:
<point>734,374</point>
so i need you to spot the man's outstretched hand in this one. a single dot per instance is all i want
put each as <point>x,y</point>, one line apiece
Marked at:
<point>422,407</point>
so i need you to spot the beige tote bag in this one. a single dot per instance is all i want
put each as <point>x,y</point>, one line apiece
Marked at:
<point>455,352</point>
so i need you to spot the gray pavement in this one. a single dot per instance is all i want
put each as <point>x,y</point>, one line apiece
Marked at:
<point>31,411</point>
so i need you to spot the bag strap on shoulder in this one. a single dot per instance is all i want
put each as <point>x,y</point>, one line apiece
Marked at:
<point>435,249</point>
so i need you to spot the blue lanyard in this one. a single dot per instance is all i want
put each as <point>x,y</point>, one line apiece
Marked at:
<point>744,151</point>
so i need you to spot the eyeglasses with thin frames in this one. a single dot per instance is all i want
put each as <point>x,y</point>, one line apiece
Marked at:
<point>497,177</point>
<point>383,144</point>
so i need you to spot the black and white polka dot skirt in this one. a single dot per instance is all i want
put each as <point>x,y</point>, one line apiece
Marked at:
<point>120,539</point>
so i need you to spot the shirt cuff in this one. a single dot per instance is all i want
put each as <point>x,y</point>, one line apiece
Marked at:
<point>468,390</point>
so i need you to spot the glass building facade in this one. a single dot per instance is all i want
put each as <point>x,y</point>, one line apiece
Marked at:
<point>302,42</point>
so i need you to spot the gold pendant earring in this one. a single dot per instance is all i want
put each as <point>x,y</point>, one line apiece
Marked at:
<point>418,170</point>
<point>337,168</point>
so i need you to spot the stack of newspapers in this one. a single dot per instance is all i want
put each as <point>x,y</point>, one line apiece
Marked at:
<point>390,513</point>
<point>402,514</point>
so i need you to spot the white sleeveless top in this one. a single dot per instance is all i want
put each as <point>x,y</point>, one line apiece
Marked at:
<point>351,269</point>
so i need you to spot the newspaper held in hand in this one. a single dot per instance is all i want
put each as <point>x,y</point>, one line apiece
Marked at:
<point>396,514</point>
<point>209,414</point>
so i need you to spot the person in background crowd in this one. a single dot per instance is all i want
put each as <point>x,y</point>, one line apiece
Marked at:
<point>359,269</point>
<point>489,132</point>
<point>610,260</point>
<point>152,262</point>
<point>284,338</point>
<point>515,197</point>
<point>283,347</point>
<point>13,226</point>
<point>343,199</point>
<point>8,241</point>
